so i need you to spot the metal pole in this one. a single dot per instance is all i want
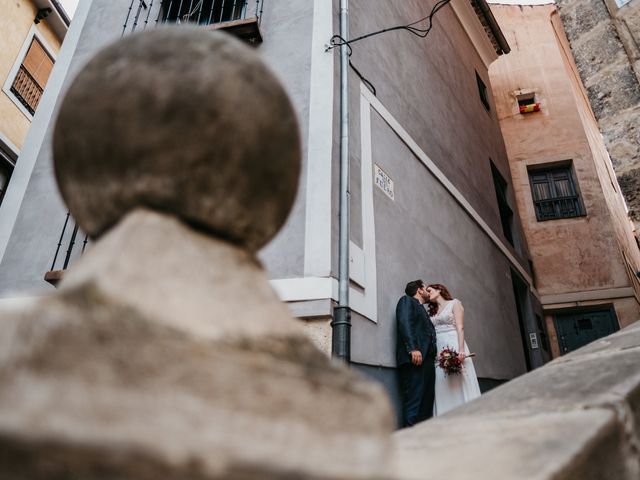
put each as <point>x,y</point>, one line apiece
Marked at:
<point>341,324</point>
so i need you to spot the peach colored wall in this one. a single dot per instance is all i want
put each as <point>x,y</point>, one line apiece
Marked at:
<point>15,22</point>
<point>569,255</point>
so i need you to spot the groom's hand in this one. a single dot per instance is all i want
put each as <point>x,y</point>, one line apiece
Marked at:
<point>416,357</point>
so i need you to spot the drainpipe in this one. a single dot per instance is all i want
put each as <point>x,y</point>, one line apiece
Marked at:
<point>341,324</point>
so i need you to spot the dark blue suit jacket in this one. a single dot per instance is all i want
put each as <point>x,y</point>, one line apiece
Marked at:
<point>415,330</point>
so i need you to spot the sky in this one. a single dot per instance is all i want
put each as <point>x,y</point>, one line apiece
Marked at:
<point>521,2</point>
<point>69,6</point>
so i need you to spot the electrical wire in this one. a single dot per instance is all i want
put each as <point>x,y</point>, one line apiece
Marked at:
<point>367,83</point>
<point>338,41</point>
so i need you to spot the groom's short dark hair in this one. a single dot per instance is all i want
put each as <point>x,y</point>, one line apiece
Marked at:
<point>412,287</point>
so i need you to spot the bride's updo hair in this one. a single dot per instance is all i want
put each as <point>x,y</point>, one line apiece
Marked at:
<point>432,307</point>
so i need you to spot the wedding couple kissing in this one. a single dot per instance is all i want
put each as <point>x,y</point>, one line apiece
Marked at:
<point>435,371</point>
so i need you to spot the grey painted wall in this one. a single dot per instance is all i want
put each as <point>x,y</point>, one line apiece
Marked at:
<point>425,234</point>
<point>429,86</point>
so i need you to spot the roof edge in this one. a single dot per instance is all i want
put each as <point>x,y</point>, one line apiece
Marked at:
<point>491,26</point>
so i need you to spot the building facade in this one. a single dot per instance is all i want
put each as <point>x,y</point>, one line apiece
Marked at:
<point>430,188</point>
<point>584,254</point>
<point>32,32</point>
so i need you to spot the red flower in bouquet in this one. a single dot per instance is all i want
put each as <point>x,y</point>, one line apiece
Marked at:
<point>449,361</point>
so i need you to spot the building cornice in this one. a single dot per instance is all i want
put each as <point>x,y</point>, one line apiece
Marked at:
<point>491,26</point>
<point>560,300</point>
<point>474,29</point>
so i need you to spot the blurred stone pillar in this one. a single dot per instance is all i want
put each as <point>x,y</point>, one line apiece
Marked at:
<point>165,354</point>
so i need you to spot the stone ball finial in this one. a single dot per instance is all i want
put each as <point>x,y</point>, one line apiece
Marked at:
<point>182,121</point>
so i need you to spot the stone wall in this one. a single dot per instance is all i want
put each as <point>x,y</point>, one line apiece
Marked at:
<point>604,41</point>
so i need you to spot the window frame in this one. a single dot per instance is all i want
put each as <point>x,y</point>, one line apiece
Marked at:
<point>6,88</point>
<point>505,210</point>
<point>483,92</point>
<point>8,157</point>
<point>241,15</point>
<point>549,169</point>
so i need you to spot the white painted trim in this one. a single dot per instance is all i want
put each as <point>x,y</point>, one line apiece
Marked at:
<point>36,134</point>
<point>318,215</point>
<point>589,295</point>
<point>6,88</point>
<point>363,260</point>
<point>313,310</point>
<point>287,289</point>
<point>437,173</point>
<point>365,301</point>
<point>7,305</point>
<point>306,288</point>
<point>356,265</point>
<point>471,24</point>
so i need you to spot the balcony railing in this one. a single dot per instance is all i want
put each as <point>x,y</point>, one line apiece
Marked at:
<point>27,90</point>
<point>204,12</point>
<point>561,207</point>
<point>238,17</point>
<point>70,247</point>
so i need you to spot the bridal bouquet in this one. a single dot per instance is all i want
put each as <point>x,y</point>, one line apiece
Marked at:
<point>449,362</point>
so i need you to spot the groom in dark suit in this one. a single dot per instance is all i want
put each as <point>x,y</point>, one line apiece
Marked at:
<point>415,354</point>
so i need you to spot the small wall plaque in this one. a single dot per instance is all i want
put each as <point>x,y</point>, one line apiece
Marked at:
<point>533,338</point>
<point>384,182</point>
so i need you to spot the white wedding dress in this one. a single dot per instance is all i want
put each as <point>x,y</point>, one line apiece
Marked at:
<point>452,390</point>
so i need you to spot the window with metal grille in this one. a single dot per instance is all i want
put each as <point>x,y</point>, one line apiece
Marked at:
<point>203,12</point>
<point>32,76</point>
<point>554,193</point>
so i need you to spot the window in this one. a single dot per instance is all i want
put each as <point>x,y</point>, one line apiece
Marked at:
<point>527,103</point>
<point>240,18</point>
<point>205,12</point>
<point>554,193</point>
<point>506,213</point>
<point>6,169</point>
<point>5,176</point>
<point>32,76</point>
<point>482,90</point>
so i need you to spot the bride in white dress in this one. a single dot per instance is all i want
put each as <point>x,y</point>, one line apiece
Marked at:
<point>447,315</point>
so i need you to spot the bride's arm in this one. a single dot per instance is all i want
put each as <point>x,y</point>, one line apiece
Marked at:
<point>458,314</point>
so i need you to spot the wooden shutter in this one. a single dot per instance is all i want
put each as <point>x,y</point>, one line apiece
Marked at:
<point>541,186</point>
<point>563,184</point>
<point>38,63</point>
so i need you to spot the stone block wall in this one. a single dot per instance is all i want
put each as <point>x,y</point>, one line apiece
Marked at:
<point>604,42</point>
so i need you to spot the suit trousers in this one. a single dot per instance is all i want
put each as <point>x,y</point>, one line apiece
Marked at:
<point>417,384</point>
